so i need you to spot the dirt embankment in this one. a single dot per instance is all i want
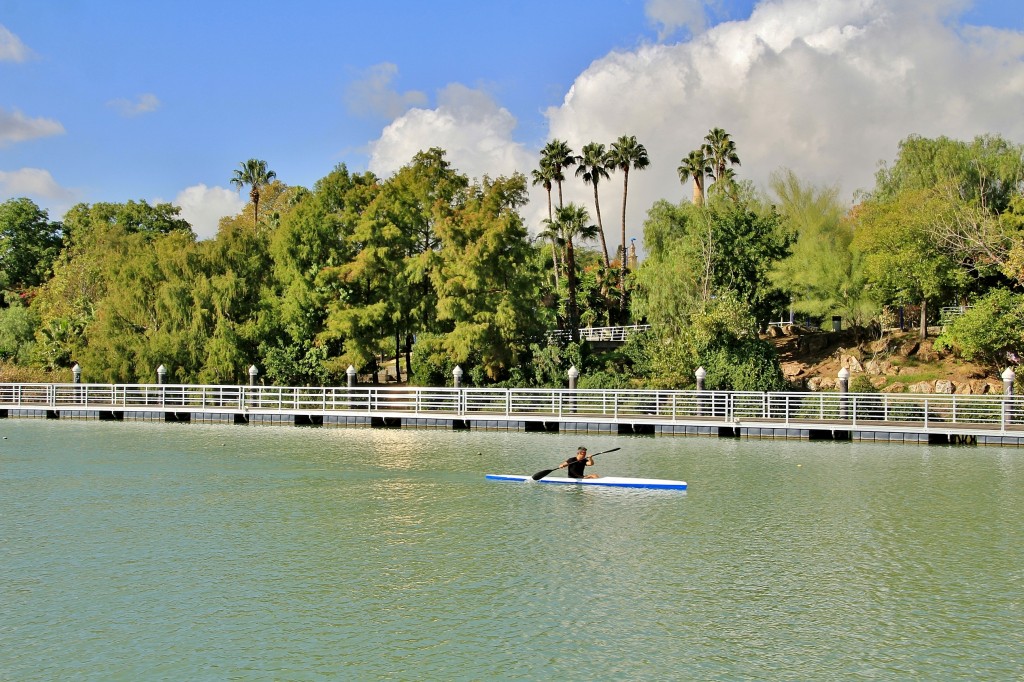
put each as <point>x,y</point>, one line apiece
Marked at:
<point>899,362</point>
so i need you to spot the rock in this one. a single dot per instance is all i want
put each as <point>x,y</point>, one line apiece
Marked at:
<point>792,370</point>
<point>878,382</point>
<point>886,345</point>
<point>896,387</point>
<point>876,367</point>
<point>963,388</point>
<point>909,348</point>
<point>851,363</point>
<point>821,384</point>
<point>921,387</point>
<point>774,332</point>
<point>944,386</point>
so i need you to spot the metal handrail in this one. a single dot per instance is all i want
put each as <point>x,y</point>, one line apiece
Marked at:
<point>616,334</point>
<point>921,411</point>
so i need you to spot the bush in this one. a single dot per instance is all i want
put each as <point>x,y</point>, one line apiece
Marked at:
<point>990,331</point>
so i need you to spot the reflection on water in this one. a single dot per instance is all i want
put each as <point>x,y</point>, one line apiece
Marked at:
<point>140,551</point>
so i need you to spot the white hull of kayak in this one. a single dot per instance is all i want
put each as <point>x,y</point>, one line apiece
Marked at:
<point>608,481</point>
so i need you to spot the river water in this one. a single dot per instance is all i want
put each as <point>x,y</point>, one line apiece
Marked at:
<point>153,551</point>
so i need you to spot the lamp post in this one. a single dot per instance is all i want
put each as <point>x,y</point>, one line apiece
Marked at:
<point>76,374</point>
<point>253,372</point>
<point>161,375</point>
<point>457,376</point>
<point>574,374</point>
<point>1008,376</point>
<point>844,388</point>
<point>699,375</point>
<point>350,376</point>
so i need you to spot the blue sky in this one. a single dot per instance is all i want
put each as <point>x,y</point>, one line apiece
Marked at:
<point>111,101</point>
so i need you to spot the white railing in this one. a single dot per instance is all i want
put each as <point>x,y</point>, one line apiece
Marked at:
<point>922,412</point>
<point>949,313</point>
<point>618,334</point>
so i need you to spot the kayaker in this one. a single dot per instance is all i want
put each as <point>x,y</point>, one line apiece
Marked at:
<point>577,464</point>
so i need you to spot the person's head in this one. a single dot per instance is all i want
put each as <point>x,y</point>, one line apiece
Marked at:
<point>581,453</point>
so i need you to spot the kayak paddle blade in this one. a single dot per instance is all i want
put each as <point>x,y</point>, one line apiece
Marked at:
<point>541,474</point>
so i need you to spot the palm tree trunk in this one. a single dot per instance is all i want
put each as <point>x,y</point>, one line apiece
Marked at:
<point>570,277</point>
<point>622,263</point>
<point>600,227</point>
<point>554,246</point>
<point>698,191</point>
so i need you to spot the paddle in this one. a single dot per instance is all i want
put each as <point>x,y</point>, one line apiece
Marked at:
<point>541,474</point>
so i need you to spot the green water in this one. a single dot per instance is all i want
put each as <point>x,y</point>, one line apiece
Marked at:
<point>186,552</point>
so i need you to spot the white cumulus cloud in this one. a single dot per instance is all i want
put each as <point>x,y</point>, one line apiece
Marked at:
<point>143,104</point>
<point>672,15</point>
<point>34,183</point>
<point>203,207</point>
<point>11,47</point>
<point>468,124</point>
<point>374,95</point>
<point>825,87</point>
<point>16,127</point>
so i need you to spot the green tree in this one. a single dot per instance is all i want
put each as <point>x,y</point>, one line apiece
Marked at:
<point>253,174</point>
<point>990,331</point>
<point>388,284</point>
<point>720,150</point>
<point>626,154</point>
<point>822,275</point>
<point>29,243</point>
<point>901,260</point>
<point>573,223</point>
<point>556,157</point>
<point>695,165</point>
<point>592,167</point>
<point>132,217</point>
<point>486,286</point>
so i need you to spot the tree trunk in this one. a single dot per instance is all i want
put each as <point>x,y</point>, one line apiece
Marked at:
<point>398,356</point>
<point>622,264</point>
<point>600,228</point>
<point>255,196</point>
<point>570,279</point>
<point>408,356</point>
<point>698,191</point>
<point>924,319</point>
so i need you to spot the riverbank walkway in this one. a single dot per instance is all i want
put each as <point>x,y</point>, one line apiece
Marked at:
<point>917,418</point>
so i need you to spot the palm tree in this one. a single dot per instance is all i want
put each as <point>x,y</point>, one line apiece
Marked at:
<point>721,151</point>
<point>543,176</point>
<point>573,222</point>
<point>592,166</point>
<point>626,153</point>
<point>696,166</point>
<point>253,173</point>
<point>554,235</point>
<point>557,156</point>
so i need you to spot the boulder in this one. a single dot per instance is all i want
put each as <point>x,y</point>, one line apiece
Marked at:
<point>851,363</point>
<point>921,387</point>
<point>963,388</point>
<point>886,345</point>
<point>876,367</point>
<point>821,384</point>
<point>944,386</point>
<point>909,348</point>
<point>896,387</point>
